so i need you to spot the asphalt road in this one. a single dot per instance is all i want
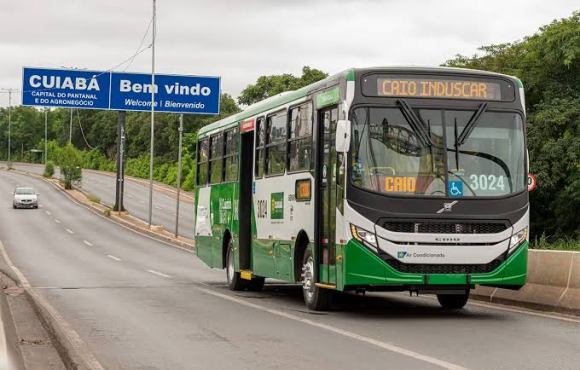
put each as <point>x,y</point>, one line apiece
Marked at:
<point>140,304</point>
<point>136,199</point>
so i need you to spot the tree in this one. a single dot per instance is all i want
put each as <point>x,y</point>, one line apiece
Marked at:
<point>70,162</point>
<point>548,63</point>
<point>267,86</point>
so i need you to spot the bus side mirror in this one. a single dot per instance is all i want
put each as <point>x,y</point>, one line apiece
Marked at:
<point>342,144</point>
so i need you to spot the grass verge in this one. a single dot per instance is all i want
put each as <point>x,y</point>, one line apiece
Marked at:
<point>562,244</point>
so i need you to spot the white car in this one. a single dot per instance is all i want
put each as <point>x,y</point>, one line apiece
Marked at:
<point>25,197</point>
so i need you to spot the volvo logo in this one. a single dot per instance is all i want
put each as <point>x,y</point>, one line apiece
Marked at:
<point>447,207</point>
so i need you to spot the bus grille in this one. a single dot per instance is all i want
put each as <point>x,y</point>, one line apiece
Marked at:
<point>443,269</point>
<point>425,227</point>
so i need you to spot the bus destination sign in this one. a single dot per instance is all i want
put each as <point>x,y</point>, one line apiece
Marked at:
<point>438,88</point>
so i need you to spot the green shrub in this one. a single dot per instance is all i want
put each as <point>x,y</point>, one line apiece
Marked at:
<point>48,169</point>
<point>189,182</point>
<point>171,176</point>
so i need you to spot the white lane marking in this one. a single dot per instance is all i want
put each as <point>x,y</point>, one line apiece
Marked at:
<point>114,258</point>
<point>47,212</point>
<point>345,333</point>
<point>158,273</point>
<point>70,231</point>
<point>523,311</point>
<point>88,243</point>
<point>500,307</point>
<point>157,207</point>
<point>57,220</point>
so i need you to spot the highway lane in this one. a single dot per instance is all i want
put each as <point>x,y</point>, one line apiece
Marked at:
<point>140,304</point>
<point>136,199</point>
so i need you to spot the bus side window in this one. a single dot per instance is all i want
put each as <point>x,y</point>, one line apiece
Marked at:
<point>216,149</point>
<point>231,155</point>
<point>202,163</point>
<point>300,138</point>
<point>260,142</point>
<point>276,143</point>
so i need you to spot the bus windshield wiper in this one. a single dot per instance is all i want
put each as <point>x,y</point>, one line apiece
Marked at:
<point>470,125</point>
<point>415,122</point>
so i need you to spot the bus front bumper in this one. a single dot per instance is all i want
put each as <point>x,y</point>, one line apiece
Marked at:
<point>358,267</point>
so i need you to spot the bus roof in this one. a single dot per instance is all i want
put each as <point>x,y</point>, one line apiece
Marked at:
<point>268,103</point>
<point>289,96</point>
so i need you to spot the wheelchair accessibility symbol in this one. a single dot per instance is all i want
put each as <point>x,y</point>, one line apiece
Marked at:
<point>455,188</point>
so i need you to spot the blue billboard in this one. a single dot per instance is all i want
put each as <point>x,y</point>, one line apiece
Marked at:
<point>65,88</point>
<point>120,91</point>
<point>176,94</point>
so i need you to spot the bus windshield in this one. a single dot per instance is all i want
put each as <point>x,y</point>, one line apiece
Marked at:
<point>391,157</point>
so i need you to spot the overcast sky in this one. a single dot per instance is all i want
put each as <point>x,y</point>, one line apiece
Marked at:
<point>240,40</point>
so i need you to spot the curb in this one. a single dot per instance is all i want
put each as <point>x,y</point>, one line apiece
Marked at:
<point>10,353</point>
<point>72,349</point>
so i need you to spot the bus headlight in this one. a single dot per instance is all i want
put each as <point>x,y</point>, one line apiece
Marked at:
<point>518,238</point>
<point>366,237</point>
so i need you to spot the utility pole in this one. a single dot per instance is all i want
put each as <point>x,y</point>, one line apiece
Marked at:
<point>9,126</point>
<point>151,151</point>
<point>70,127</point>
<point>9,91</point>
<point>178,174</point>
<point>45,135</point>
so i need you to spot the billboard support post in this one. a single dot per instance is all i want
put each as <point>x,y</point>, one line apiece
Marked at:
<point>45,135</point>
<point>120,183</point>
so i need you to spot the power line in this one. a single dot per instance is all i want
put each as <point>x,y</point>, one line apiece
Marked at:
<point>140,44</point>
<point>82,131</point>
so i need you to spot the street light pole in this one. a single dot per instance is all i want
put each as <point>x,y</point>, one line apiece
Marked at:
<point>70,127</point>
<point>9,126</point>
<point>151,151</point>
<point>45,135</point>
<point>178,175</point>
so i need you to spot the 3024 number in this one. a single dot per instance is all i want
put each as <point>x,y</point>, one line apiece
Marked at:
<point>487,182</point>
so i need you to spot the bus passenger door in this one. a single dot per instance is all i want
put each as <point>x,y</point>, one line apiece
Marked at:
<point>327,119</point>
<point>245,200</point>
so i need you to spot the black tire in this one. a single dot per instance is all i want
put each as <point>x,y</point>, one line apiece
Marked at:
<point>315,297</point>
<point>13,206</point>
<point>453,301</point>
<point>235,282</point>
<point>256,284</point>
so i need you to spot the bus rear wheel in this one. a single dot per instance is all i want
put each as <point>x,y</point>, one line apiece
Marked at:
<point>315,297</point>
<point>235,282</point>
<point>453,301</point>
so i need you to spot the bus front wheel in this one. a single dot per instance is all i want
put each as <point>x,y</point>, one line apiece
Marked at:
<point>235,282</point>
<point>453,301</point>
<point>315,297</point>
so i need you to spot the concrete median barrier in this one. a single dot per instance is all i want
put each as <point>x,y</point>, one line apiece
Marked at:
<point>570,300</point>
<point>553,284</point>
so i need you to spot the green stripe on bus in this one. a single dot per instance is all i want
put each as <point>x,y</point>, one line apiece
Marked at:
<point>328,97</point>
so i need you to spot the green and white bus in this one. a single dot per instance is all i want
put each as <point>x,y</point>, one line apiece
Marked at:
<point>375,179</point>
